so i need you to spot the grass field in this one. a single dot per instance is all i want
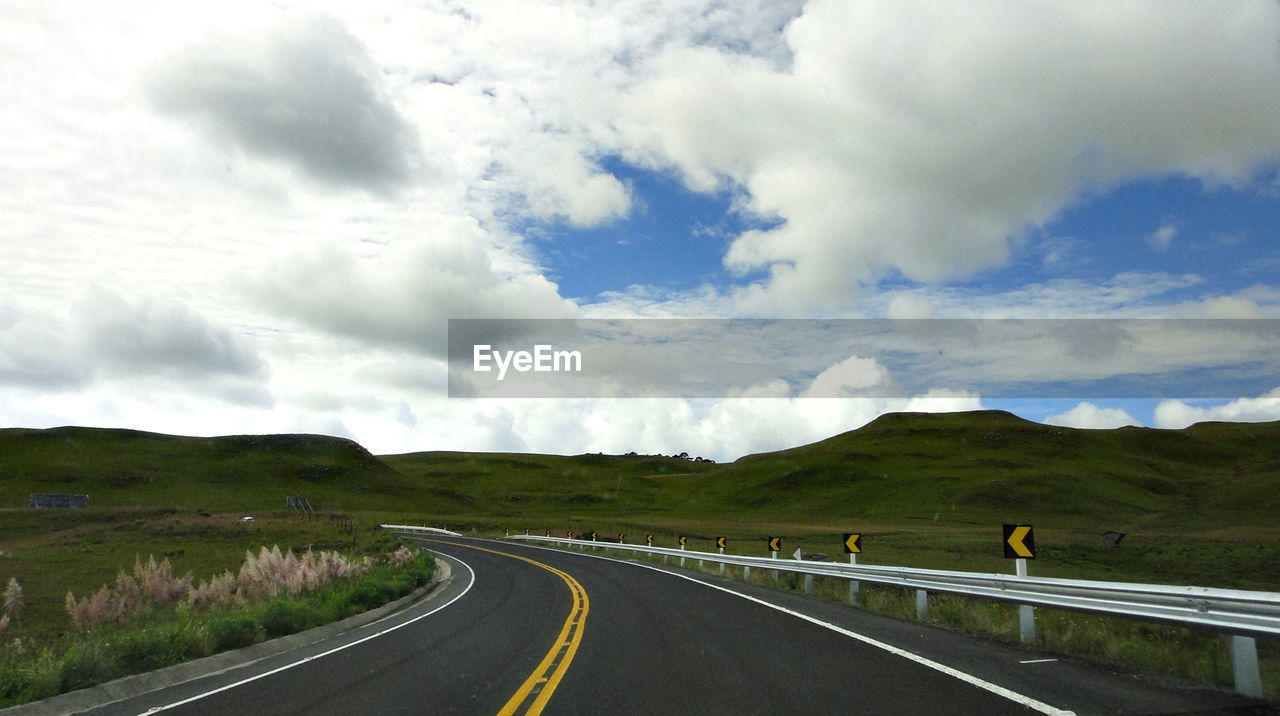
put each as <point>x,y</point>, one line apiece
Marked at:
<point>925,490</point>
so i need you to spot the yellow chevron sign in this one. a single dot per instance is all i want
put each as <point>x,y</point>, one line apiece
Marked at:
<point>720,542</point>
<point>648,539</point>
<point>1019,542</point>
<point>852,543</point>
<point>775,544</point>
<point>683,539</point>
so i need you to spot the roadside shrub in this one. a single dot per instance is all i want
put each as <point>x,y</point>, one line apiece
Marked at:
<point>151,585</point>
<point>151,619</point>
<point>87,663</point>
<point>365,594</point>
<point>232,631</point>
<point>401,557</point>
<point>403,584</point>
<point>158,646</point>
<point>287,616</point>
<point>43,675</point>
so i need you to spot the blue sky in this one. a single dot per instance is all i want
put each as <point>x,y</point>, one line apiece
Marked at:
<point>673,240</point>
<point>250,217</point>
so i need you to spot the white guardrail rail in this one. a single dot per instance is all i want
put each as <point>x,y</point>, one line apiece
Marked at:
<point>1241,614</point>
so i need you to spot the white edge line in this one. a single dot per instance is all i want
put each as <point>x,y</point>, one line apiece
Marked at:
<point>334,650</point>
<point>949,671</point>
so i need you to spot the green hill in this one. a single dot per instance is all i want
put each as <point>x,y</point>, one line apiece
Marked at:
<point>976,467</point>
<point>499,484</point>
<point>985,465</point>
<point>125,468</point>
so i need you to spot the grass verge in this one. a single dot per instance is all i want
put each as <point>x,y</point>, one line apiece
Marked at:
<point>178,632</point>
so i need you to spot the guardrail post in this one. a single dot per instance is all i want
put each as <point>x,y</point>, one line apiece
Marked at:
<point>922,604</point>
<point>722,563</point>
<point>808,584</point>
<point>1244,666</point>
<point>774,555</point>
<point>1026,613</point>
<point>682,558</point>
<point>853,583</point>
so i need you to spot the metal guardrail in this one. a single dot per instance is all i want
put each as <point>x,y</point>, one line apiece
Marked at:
<point>420,530</point>
<point>1240,613</point>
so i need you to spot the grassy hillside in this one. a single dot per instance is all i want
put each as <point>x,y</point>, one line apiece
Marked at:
<point>498,484</point>
<point>993,466</point>
<point>958,468</point>
<point>128,468</point>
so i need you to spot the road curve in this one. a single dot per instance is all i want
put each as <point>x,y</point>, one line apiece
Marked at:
<point>497,640</point>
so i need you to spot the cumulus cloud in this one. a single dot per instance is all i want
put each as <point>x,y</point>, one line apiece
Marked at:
<point>406,293</point>
<point>719,429</point>
<point>103,338</point>
<point>34,352</point>
<point>1087,415</point>
<point>892,145</point>
<point>159,337</point>
<point>851,377</point>
<point>1178,414</point>
<point>309,96</point>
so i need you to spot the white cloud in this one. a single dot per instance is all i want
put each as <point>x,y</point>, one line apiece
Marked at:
<point>1130,294</point>
<point>1178,414</point>
<point>101,336</point>
<point>850,378</point>
<point>1089,416</point>
<point>909,306</point>
<point>158,337</point>
<point>896,143</point>
<point>308,95</point>
<point>1162,238</point>
<point>404,293</point>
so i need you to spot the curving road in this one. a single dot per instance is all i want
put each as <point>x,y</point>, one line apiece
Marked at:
<point>522,629</point>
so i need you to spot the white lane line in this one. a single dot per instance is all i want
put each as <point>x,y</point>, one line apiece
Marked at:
<point>996,689</point>
<point>334,650</point>
<point>1037,661</point>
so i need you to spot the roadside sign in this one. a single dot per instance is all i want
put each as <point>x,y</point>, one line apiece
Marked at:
<point>720,542</point>
<point>852,543</point>
<point>775,544</point>
<point>683,539</point>
<point>1019,542</point>
<point>621,538</point>
<point>593,535</point>
<point>648,540</point>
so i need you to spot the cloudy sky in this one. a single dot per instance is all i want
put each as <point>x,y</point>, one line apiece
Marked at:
<point>259,217</point>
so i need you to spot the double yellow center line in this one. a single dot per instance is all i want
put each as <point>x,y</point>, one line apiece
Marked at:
<point>533,694</point>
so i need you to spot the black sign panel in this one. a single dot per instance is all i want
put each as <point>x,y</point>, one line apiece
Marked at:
<point>1019,542</point>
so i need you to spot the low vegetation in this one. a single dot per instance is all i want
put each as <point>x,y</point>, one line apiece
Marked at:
<point>151,618</point>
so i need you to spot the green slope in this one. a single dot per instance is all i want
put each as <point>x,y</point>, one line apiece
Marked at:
<point>963,468</point>
<point>990,465</point>
<point>119,468</point>
<point>501,484</point>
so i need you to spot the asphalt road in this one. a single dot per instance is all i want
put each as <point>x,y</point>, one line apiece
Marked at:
<point>522,628</point>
